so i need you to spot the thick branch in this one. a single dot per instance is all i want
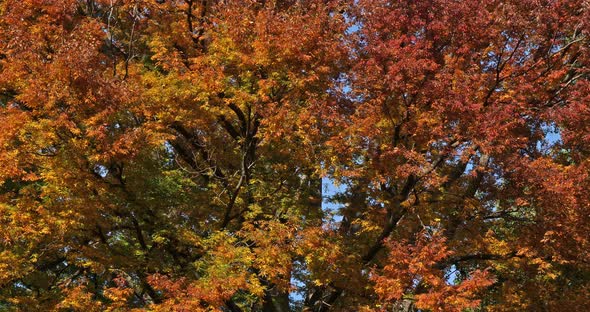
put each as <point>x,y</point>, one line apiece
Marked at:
<point>196,144</point>
<point>477,257</point>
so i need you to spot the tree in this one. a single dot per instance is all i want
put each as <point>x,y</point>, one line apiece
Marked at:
<point>169,155</point>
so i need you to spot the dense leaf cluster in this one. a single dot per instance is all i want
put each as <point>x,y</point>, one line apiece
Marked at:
<point>171,155</point>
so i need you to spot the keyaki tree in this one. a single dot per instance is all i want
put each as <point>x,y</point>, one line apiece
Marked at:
<point>168,155</point>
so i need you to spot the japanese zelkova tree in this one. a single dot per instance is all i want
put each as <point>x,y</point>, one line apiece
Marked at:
<point>176,155</point>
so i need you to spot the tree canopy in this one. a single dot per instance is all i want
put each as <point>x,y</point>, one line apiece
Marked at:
<point>171,155</point>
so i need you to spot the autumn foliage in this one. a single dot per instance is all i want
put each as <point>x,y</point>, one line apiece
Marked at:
<point>294,155</point>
